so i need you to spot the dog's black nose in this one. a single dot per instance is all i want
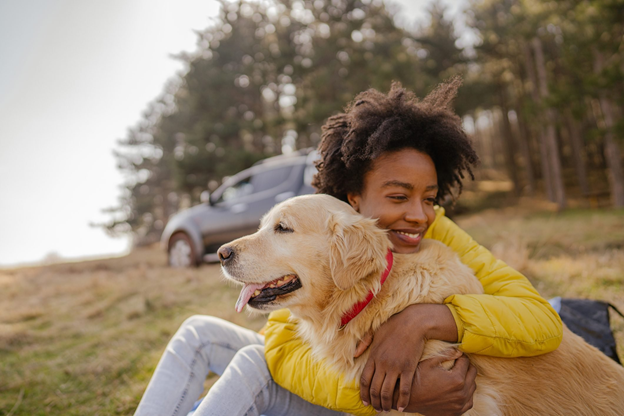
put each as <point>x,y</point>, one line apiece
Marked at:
<point>225,254</point>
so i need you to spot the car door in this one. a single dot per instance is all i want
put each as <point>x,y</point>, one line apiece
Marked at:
<point>227,217</point>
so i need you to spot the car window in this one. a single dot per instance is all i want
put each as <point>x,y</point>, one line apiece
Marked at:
<point>236,191</point>
<point>271,178</point>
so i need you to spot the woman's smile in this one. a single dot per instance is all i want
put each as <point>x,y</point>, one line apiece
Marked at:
<point>408,237</point>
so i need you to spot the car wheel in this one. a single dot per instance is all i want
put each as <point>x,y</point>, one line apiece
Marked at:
<point>181,252</point>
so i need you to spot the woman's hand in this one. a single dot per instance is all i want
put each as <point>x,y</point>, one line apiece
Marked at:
<point>439,392</point>
<point>396,349</point>
<point>394,355</point>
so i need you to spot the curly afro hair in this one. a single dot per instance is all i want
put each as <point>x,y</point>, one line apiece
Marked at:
<point>375,123</point>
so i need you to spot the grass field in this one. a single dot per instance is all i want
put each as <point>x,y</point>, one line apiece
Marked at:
<point>84,338</point>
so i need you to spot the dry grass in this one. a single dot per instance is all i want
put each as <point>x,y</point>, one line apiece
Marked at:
<point>84,338</point>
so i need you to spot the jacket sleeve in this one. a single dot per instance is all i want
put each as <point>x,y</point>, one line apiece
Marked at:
<point>511,319</point>
<point>292,366</point>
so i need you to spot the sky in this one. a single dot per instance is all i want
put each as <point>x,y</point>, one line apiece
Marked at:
<point>74,76</point>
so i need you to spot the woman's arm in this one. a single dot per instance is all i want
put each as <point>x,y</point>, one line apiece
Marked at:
<point>511,319</point>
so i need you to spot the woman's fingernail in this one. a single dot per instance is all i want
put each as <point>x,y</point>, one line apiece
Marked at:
<point>365,403</point>
<point>401,409</point>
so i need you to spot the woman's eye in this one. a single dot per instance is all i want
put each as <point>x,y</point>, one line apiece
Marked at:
<point>281,228</point>
<point>398,197</point>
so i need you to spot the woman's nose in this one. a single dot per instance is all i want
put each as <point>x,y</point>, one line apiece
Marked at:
<point>416,214</point>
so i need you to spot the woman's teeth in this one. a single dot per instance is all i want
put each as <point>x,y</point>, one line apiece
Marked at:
<point>408,234</point>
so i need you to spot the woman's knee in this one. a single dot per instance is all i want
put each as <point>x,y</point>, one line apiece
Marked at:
<point>251,362</point>
<point>254,352</point>
<point>198,321</point>
<point>198,325</point>
<point>202,332</point>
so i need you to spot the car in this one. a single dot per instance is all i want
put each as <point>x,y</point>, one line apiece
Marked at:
<point>192,236</point>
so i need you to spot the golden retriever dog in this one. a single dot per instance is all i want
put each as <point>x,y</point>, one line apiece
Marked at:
<point>318,257</point>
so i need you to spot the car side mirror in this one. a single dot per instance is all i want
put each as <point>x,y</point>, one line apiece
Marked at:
<point>205,197</point>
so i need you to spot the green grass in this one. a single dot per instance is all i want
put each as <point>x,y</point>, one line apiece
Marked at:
<point>84,338</point>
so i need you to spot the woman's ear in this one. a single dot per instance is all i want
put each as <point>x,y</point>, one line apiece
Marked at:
<point>354,201</point>
<point>357,249</point>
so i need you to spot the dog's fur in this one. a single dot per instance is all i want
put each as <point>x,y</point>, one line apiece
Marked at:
<point>339,256</point>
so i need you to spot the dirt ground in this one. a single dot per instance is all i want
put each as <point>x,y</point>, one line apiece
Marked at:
<point>84,338</point>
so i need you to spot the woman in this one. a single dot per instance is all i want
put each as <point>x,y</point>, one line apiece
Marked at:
<point>392,158</point>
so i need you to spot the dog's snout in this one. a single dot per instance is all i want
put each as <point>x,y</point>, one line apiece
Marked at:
<point>226,254</point>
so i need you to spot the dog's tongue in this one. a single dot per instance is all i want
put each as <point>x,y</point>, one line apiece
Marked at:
<point>246,293</point>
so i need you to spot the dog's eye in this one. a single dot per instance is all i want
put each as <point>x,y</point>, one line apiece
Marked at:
<point>281,228</point>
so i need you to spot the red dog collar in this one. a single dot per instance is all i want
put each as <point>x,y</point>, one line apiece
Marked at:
<point>358,307</point>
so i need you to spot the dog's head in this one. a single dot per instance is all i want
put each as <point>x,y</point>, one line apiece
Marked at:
<point>307,250</point>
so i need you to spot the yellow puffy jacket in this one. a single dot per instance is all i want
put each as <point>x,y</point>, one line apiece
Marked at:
<point>510,320</point>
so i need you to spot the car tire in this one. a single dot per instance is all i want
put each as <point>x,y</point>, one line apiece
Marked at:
<point>181,251</point>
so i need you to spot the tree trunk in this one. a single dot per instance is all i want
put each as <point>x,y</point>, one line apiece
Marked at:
<point>507,142</point>
<point>551,138</point>
<point>526,154</point>
<point>497,147</point>
<point>611,148</point>
<point>490,138</point>
<point>612,155</point>
<point>577,152</point>
<point>476,139</point>
<point>484,147</point>
<point>523,137</point>
<point>546,173</point>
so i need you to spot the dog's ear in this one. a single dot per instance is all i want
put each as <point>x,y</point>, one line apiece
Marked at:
<point>357,249</point>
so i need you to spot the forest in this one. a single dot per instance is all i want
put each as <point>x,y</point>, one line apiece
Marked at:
<point>542,96</point>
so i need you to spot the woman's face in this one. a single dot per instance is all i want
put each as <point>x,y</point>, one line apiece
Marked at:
<point>400,191</point>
